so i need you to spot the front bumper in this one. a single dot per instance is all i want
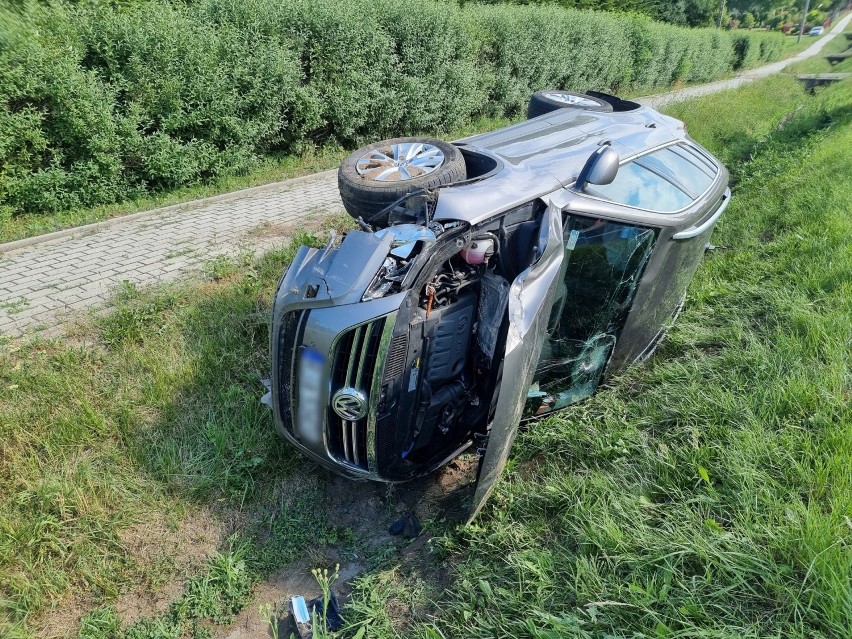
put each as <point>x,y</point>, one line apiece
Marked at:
<point>318,314</point>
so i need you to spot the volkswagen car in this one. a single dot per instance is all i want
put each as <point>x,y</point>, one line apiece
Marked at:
<point>490,280</point>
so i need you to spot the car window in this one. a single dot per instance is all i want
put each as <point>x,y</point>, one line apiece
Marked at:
<point>635,185</point>
<point>676,168</point>
<point>601,271</point>
<point>666,180</point>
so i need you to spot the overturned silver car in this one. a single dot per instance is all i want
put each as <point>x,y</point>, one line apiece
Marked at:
<point>497,278</point>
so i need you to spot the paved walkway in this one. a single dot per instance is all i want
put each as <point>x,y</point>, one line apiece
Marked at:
<point>42,284</point>
<point>45,280</point>
<point>745,77</point>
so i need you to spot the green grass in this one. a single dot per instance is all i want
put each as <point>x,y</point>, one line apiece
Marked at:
<point>152,412</point>
<point>705,494</point>
<point>791,47</point>
<point>818,63</point>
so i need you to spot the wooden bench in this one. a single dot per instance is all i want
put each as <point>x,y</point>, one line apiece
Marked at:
<point>813,80</point>
<point>838,57</point>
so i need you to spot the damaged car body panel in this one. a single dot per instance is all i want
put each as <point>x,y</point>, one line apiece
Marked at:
<point>530,298</point>
<point>471,303</point>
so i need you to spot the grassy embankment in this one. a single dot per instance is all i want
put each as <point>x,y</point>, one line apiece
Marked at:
<point>707,493</point>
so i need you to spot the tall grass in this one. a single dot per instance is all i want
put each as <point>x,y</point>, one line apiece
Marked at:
<point>708,492</point>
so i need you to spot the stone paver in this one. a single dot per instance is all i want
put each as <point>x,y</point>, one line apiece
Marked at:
<point>43,284</point>
<point>46,281</point>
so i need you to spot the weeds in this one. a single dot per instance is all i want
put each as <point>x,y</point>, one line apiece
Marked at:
<point>13,307</point>
<point>319,622</point>
<point>270,614</point>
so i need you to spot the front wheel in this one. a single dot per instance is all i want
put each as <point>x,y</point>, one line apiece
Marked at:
<point>378,175</point>
<point>543,102</point>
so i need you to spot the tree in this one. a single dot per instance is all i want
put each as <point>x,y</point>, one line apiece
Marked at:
<point>816,17</point>
<point>701,13</point>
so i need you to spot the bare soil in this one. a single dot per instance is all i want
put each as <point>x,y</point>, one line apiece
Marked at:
<point>367,509</point>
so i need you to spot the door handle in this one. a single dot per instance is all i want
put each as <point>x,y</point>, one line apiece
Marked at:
<point>695,231</point>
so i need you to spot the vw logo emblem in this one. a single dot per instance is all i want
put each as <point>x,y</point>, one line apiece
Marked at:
<point>349,404</point>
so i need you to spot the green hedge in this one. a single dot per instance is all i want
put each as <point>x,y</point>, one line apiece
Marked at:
<point>101,105</point>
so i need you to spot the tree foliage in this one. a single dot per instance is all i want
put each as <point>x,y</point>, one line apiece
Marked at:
<point>693,13</point>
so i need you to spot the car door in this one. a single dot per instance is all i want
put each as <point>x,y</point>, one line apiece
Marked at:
<point>531,297</point>
<point>601,270</point>
<point>679,192</point>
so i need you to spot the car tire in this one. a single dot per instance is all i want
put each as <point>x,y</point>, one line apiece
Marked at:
<point>543,102</point>
<point>379,174</point>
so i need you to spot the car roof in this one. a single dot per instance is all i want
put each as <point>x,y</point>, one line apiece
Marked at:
<point>545,154</point>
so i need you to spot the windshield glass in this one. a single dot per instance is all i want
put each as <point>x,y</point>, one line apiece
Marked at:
<point>665,181</point>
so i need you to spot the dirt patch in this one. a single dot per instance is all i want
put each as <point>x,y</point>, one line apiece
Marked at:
<point>277,590</point>
<point>368,509</point>
<point>159,555</point>
<point>166,554</point>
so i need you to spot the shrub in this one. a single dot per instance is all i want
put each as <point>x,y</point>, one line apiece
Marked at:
<point>746,50</point>
<point>100,103</point>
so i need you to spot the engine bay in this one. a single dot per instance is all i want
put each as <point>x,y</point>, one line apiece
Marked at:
<point>457,283</point>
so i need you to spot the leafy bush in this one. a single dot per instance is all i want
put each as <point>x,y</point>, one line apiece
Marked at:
<point>750,48</point>
<point>105,103</point>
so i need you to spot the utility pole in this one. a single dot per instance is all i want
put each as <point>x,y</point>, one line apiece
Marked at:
<point>721,13</point>
<point>804,17</point>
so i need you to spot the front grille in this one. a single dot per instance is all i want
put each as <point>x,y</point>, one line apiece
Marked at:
<point>354,366</point>
<point>396,357</point>
<point>289,336</point>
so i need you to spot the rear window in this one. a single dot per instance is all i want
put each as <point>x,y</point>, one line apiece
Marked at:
<point>664,181</point>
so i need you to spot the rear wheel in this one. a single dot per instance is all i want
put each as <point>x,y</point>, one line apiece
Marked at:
<point>378,175</point>
<point>543,102</point>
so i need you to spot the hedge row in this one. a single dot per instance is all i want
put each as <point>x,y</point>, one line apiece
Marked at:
<point>101,105</point>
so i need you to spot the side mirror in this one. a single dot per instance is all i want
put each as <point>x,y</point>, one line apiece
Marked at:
<point>600,168</point>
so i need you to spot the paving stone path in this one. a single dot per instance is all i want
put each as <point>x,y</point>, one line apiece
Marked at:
<point>43,284</point>
<point>45,281</point>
